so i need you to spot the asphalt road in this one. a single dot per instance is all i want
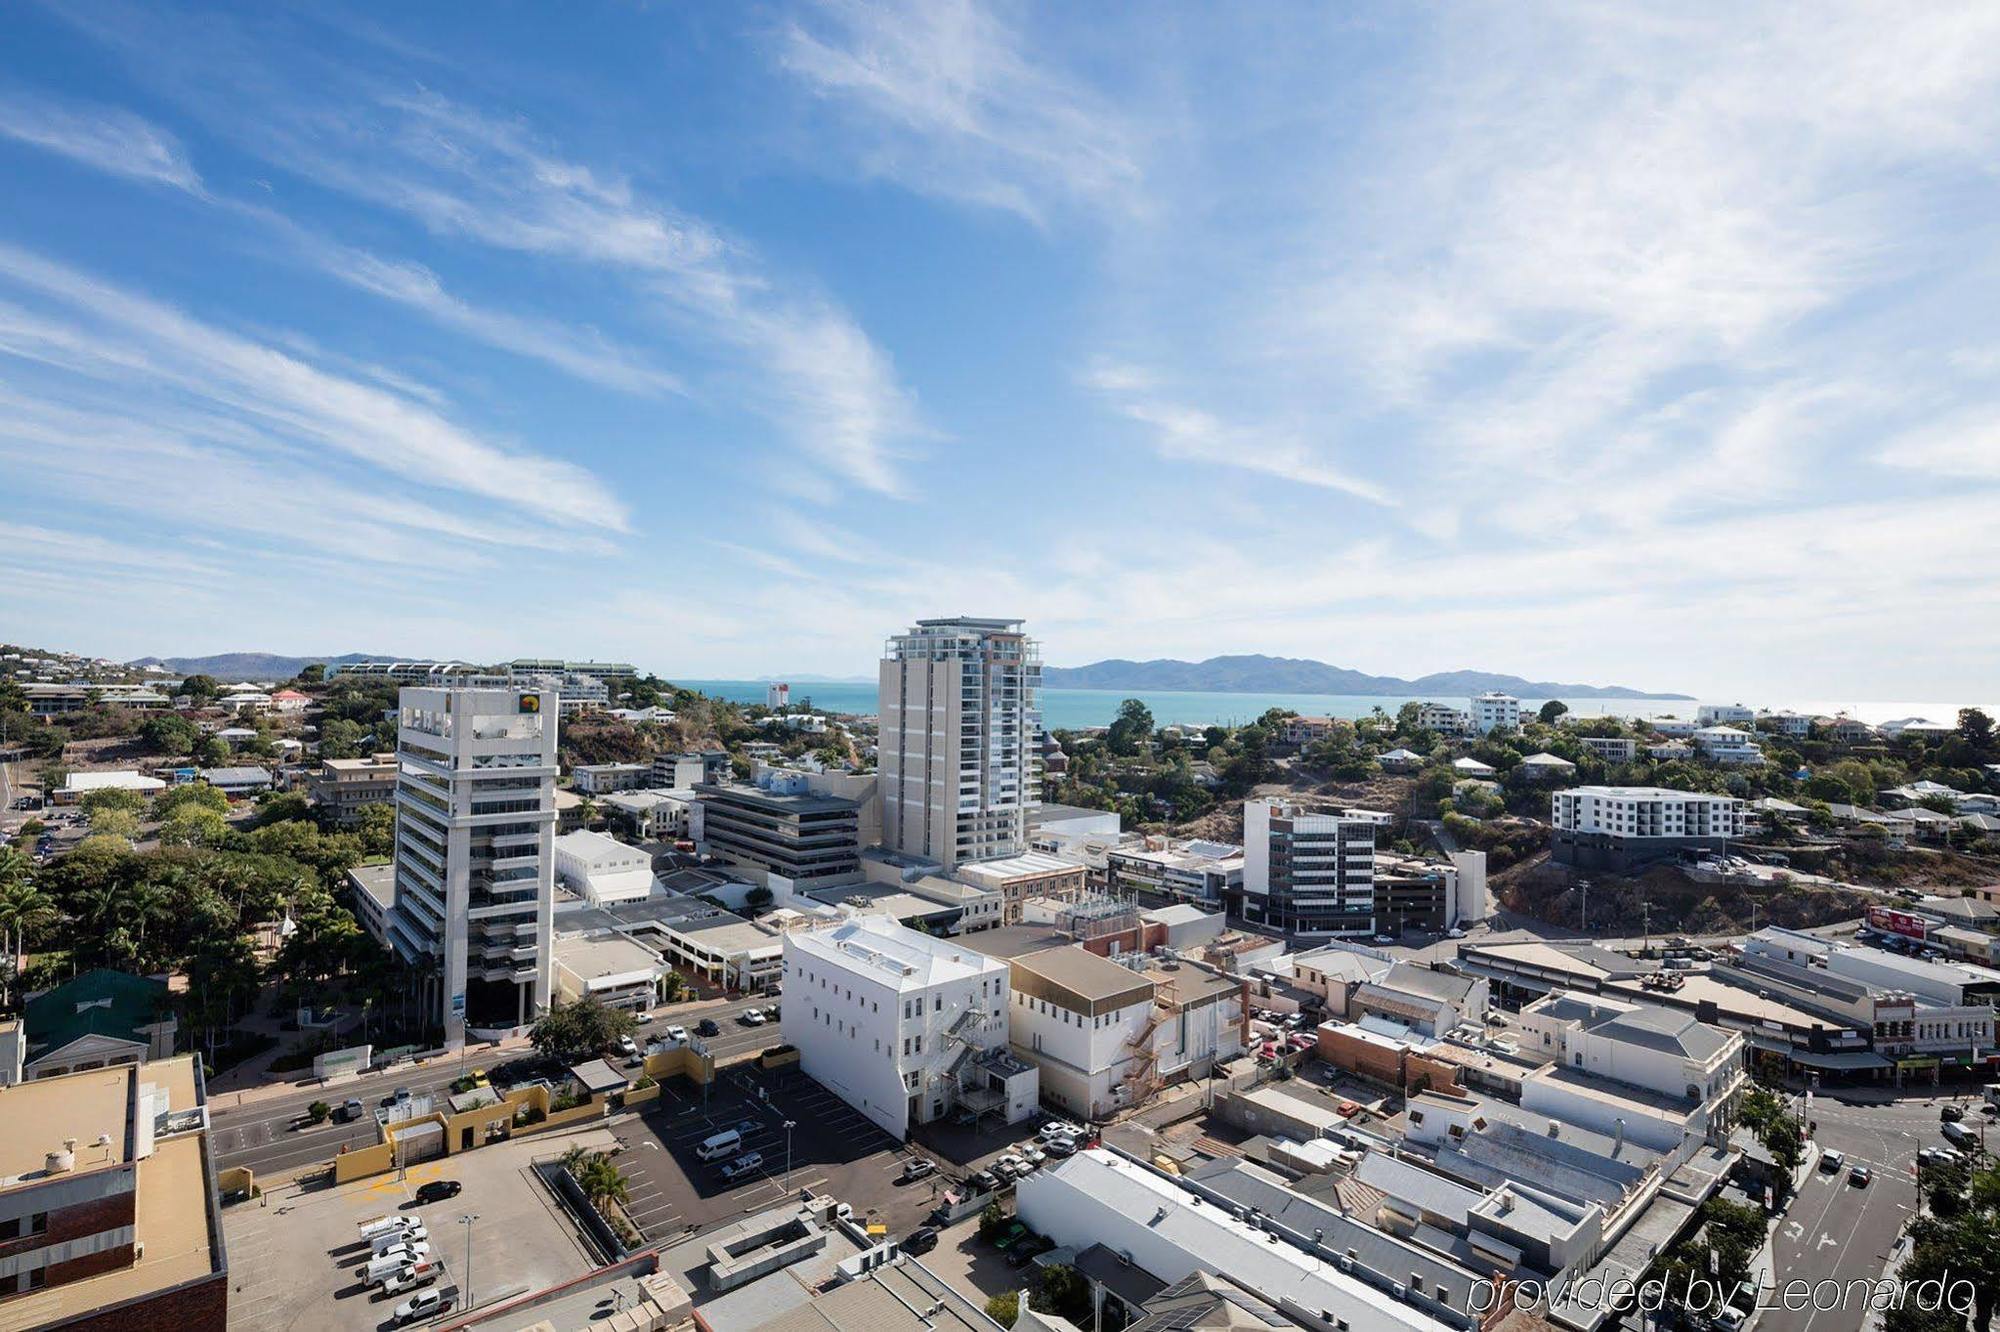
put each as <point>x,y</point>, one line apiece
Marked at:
<point>270,1136</point>
<point>1835,1230</point>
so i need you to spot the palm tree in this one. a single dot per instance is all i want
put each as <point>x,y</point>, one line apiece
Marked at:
<point>23,907</point>
<point>603,1182</point>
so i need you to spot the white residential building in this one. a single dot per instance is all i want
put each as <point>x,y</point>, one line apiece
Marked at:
<point>475,868</point>
<point>777,695</point>
<point>1724,714</point>
<point>1611,748</point>
<point>1796,725</point>
<point>1444,719</point>
<point>1618,827</point>
<point>601,869</point>
<point>902,1026</point>
<point>1308,873</point>
<point>1728,744</point>
<point>1496,712</point>
<point>960,739</point>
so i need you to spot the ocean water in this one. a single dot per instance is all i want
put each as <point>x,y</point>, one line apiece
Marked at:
<point>1075,708</point>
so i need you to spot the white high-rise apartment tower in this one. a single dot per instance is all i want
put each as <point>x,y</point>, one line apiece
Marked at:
<point>475,865</point>
<point>960,762</point>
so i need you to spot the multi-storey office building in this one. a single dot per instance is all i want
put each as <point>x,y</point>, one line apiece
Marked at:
<point>960,739</point>
<point>1617,827</point>
<point>1307,873</point>
<point>807,839</point>
<point>475,867</point>
<point>902,1026</point>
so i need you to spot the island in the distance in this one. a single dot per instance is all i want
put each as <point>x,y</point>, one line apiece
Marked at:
<point>1257,674</point>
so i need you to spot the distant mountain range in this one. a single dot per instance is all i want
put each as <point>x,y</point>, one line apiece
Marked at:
<point>1294,675</point>
<point>251,665</point>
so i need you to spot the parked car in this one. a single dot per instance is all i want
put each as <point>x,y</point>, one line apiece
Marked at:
<point>752,1017</point>
<point>921,1240</point>
<point>642,1018</point>
<point>741,1166</point>
<point>1454,933</point>
<point>983,1181</point>
<point>1028,1250</point>
<point>424,1304</point>
<point>1010,1234</point>
<point>411,1278</point>
<point>1059,1128</point>
<point>413,1235</point>
<point>708,1027</point>
<point>1950,1114</point>
<point>1385,939</point>
<point>919,1167</point>
<point>1060,1147</point>
<point>1831,1161</point>
<point>627,1046</point>
<point>678,1035</point>
<point>1032,1154</point>
<point>438,1190</point>
<point>350,1109</point>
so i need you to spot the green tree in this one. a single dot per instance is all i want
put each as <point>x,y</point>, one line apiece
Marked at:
<point>313,674</point>
<point>93,803</point>
<point>375,825</point>
<point>318,1111</point>
<point>575,1030</point>
<point>112,822</point>
<point>24,909</point>
<point>1551,711</point>
<point>200,688</point>
<point>194,826</point>
<point>1004,1308</point>
<point>757,898</point>
<point>165,733</point>
<point>1975,728</point>
<point>1063,1290</point>
<point>1130,729</point>
<point>212,752</point>
<point>189,795</point>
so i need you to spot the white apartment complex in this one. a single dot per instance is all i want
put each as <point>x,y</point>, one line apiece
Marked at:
<point>475,872</point>
<point>1724,714</point>
<point>1496,712</point>
<point>1443,719</point>
<point>902,1026</point>
<point>1617,827</point>
<point>959,764</point>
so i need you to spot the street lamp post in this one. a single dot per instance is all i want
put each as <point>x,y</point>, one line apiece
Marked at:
<point>790,1124</point>
<point>466,1220</point>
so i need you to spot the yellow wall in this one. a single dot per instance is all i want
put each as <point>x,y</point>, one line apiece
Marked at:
<point>364,1161</point>
<point>235,1178</point>
<point>768,1060</point>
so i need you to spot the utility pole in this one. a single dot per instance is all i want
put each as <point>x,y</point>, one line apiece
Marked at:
<point>790,1124</point>
<point>1583,907</point>
<point>466,1220</point>
<point>1646,916</point>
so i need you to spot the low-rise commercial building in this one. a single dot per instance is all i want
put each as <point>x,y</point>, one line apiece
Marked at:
<point>602,869</point>
<point>108,1213</point>
<point>1206,874</point>
<point>342,788</point>
<point>604,778</point>
<point>1016,879</point>
<point>1670,1073</point>
<point>100,1019</point>
<point>614,969</point>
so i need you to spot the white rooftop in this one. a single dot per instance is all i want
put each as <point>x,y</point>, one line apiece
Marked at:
<point>125,780</point>
<point>892,953</point>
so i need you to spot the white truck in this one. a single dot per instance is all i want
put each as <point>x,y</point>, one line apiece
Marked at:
<point>389,1239</point>
<point>384,1224</point>
<point>385,1265</point>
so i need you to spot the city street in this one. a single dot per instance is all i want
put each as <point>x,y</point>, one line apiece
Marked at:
<point>1838,1230</point>
<point>259,1131</point>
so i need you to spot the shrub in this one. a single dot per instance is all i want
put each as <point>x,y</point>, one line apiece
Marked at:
<point>318,1111</point>
<point>1004,1309</point>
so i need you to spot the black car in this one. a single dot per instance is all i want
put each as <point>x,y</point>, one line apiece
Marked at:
<point>1951,1114</point>
<point>707,1027</point>
<point>438,1190</point>
<point>921,1240</point>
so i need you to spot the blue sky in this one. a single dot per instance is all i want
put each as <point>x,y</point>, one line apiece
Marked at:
<point>1575,341</point>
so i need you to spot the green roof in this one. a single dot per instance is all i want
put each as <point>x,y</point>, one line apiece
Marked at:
<point>102,1002</point>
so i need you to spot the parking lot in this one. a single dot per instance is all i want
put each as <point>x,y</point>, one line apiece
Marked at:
<point>833,1150</point>
<point>296,1259</point>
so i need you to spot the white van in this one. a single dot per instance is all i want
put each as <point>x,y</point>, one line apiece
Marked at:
<point>726,1143</point>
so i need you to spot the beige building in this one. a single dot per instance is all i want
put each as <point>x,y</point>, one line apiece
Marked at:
<point>344,787</point>
<point>107,1202</point>
<point>960,760</point>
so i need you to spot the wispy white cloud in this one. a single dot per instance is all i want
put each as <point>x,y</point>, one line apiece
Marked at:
<point>104,138</point>
<point>801,360</point>
<point>111,329</point>
<point>949,100</point>
<point>1183,433</point>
